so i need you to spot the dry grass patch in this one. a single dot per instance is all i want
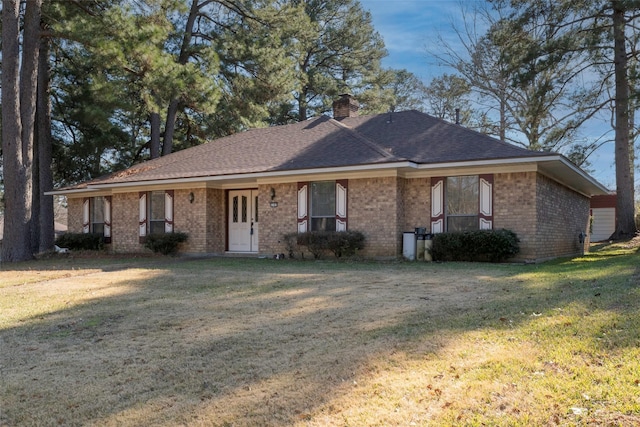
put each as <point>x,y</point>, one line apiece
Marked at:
<point>263,342</point>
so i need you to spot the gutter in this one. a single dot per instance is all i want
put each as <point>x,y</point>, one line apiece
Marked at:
<point>254,176</point>
<point>583,174</point>
<point>520,160</point>
<point>245,177</point>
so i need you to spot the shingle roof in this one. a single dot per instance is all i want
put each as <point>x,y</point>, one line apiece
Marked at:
<point>323,142</point>
<point>421,138</point>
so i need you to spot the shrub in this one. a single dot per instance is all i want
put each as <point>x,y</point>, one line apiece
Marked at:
<point>345,243</point>
<point>340,243</point>
<point>317,242</point>
<point>81,241</point>
<point>165,243</point>
<point>290,243</point>
<point>479,245</point>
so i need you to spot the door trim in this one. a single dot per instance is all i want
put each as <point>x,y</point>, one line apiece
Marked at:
<point>253,242</point>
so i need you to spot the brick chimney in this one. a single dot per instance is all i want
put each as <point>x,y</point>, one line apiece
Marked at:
<point>345,106</point>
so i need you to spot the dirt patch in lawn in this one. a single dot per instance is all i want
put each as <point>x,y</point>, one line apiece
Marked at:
<point>255,342</point>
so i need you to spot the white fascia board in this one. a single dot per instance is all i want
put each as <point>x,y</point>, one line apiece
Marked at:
<point>344,173</point>
<point>384,169</point>
<point>584,175</point>
<point>254,177</point>
<point>537,163</point>
<point>490,162</point>
<point>470,168</point>
<point>70,192</point>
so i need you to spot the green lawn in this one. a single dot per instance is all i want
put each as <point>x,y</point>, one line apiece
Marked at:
<point>237,342</point>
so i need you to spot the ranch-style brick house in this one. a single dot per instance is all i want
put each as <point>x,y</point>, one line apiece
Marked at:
<point>381,174</point>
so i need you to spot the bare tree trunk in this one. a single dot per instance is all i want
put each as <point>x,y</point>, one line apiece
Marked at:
<point>34,243</point>
<point>302,107</point>
<point>45,152</point>
<point>28,101</point>
<point>625,222</point>
<point>170,125</point>
<point>16,234</point>
<point>503,120</point>
<point>18,118</point>
<point>154,146</point>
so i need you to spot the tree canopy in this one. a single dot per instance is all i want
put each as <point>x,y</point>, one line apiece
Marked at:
<point>576,37</point>
<point>94,86</point>
<point>90,87</point>
<point>544,68</point>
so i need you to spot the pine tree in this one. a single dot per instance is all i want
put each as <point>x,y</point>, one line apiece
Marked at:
<point>19,93</point>
<point>336,51</point>
<point>603,34</point>
<point>392,90</point>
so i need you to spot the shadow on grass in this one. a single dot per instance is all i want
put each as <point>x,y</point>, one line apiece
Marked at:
<point>263,342</point>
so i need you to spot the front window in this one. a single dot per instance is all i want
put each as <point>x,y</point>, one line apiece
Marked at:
<point>462,203</point>
<point>323,206</point>
<point>156,212</point>
<point>97,215</point>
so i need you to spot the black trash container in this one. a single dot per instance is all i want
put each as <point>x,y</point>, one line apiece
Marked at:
<point>420,233</point>
<point>427,247</point>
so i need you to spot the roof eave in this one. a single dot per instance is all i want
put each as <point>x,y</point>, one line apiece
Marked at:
<point>555,166</point>
<point>242,177</point>
<point>562,169</point>
<point>67,192</point>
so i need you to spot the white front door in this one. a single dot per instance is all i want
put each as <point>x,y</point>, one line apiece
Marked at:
<point>243,221</point>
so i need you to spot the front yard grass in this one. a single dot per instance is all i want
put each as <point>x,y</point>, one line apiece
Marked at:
<point>243,342</point>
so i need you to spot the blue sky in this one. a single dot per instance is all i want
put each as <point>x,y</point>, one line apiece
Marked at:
<point>408,27</point>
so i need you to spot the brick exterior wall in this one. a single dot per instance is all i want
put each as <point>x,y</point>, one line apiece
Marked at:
<point>191,218</point>
<point>371,207</point>
<point>546,216</point>
<point>514,208</point>
<point>562,215</point>
<point>416,204</point>
<point>216,227</point>
<point>124,227</point>
<point>278,221</point>
<point>373,211</point>
<point>203,220</point>
<point>125,223</point>
<point>74,214</point>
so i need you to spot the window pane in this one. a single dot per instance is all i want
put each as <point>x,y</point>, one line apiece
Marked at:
<point>235,209</point>
<point>323,224</point>
<point>462,223</point>
<point>462,195</point>
<point>97,209</point>
<point>157,206</point>
<point>244,208</point>
<point>97,228</point>
<point>323,199</point>
<point>156,227</point>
